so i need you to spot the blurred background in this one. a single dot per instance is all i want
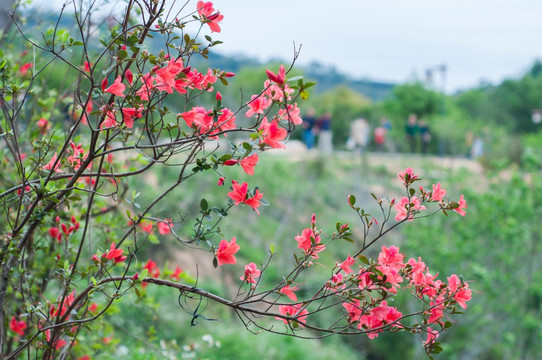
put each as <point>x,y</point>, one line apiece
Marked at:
<point>451,90</point>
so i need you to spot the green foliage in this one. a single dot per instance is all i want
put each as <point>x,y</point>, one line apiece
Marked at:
<point>413,98</point>
<point>499,247</point>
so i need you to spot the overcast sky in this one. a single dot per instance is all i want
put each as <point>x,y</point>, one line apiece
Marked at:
<point>391,40</point>
<point>388,40</point>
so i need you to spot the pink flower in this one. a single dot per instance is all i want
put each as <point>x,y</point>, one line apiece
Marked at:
<point>24,68</point>
<point>54,232</point>
<point>221,181</point>
<point>43,125</point>
<point>166,76</point>
<point>249,163</point>
<point>437,194</point>
<point>292,114</point>
<point>461,291</point>
<point>146,227</point>
<point>231,162</point>
<point>408,208</point>
<point>177,273</point>
<point>432,335</point>
<point>226,120</point>
<point>272,134</point>
<point>309,242</point>
<point>295,312</point>
<point>152,268</point>
<point>277,78</point>
<point>258,104</point>
<point>346,264</point>
<point>129,76</point>
<point>289,292</point>
<point>164,227</point>
<point>462,205</point>
<point>226,251</point>
<point>117,88</point>
<point>49,165</point>
<point>199,119</point>
<point>391,257</point>
<point>87,66</point>
<point>206,12</point>
<point>251,273</point>
<point>335,281</point>
<point>218,96</point>
<point>115,254</point>
<point>354,310</point>
<point>110,119</point>
<point>128,115</point>
<point>17,326</point>
<point>255,201</point>
<point>93,307</point>
<point>239,192</point>
<point>407,176</point>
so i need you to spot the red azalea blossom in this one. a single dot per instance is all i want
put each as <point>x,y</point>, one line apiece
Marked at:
<point>115,254</point>
<point>251,273</point>
<point>289,292</point>
<point>129,76</point>
<point>255,201</point>
<point>239,192</point>
<point>164,227</point>
<point>206,11</point>
<point>272,133</point>
<point>87,67</point>
<point>293,311</point>
<point>277,78</point>
<point>462,205</point>
<point>346,264</point>
<point>128,115</point>
<point>24,68</point>
<point>258,104</point>
<point>309,242</point>
<point>437,194</point>
<point>117,88</point>
<point>177,273</point>
<point>226,251</point>
<point>50,164</point>
<point>249,163</point>
<point>17,326</point>
<point>407,176</point>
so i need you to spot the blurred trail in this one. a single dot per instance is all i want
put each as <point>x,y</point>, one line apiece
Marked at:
<point>429,166</point>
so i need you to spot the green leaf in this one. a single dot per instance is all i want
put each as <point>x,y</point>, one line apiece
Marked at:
<point>204,205</point>
<point>122,54</point>
<point>295,78</point>
<point>351,200</point>
<point>364,259</point>
<point>144,274</point>
<point>153,239</point>
<point>272,248</point>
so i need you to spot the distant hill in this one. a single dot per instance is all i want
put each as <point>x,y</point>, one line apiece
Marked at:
<point>327,77</point>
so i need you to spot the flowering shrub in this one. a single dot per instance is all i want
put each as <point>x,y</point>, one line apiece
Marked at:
<point>71,232</point>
